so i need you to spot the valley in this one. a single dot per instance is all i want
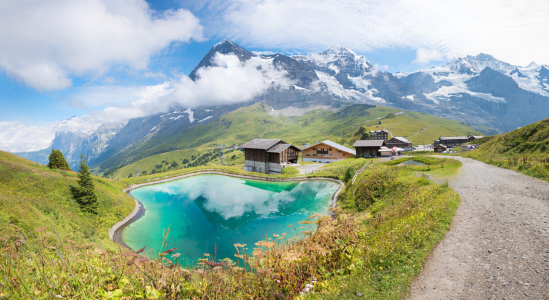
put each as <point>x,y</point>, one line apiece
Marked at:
<point>343,126</point>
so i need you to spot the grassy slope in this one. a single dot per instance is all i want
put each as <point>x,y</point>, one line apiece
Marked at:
<point>400,217</point>
<point>521,150</point>
<point>244,124</point>
<point>32,195</point>
<point>375,249</point>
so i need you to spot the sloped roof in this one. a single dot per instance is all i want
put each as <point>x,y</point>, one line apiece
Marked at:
<point>369,143</point>
<point>335,145</point>
<point>441,145</point>
<point>401,139</point>
<point>442,138</point>
<point>262,144</point>
<point>281,147</point>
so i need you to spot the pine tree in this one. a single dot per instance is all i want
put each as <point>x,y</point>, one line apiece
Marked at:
<point>57,161</point>
<point>85,192</point>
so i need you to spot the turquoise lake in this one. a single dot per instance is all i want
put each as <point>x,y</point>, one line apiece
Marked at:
<point>205,209</point>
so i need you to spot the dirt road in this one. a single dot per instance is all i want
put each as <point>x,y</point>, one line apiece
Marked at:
<point>498,247</point>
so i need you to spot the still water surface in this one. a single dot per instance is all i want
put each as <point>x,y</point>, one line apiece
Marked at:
<point>206,209</point>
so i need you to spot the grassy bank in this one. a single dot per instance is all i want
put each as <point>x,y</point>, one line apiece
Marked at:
<point>32,195</point>
<point>525,150</point>
<point>385,226</point>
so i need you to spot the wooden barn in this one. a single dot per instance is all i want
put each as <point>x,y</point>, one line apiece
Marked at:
<point>326,151</point>
<point>269,155</point>
<point>368,148</point>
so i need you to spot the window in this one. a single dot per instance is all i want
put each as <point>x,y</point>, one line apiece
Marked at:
<point>314,148</point>
<point>308,155</point>
<point>314,154</point>
<point>329,149</point>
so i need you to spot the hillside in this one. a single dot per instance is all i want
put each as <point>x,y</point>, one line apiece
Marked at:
<point>32,196</point>
<point>343,126</point>
<point>525,150</point>
<point>530,141</point>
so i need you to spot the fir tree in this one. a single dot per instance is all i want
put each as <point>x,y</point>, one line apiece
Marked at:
<point>85,192</point>
<point>57,161</point>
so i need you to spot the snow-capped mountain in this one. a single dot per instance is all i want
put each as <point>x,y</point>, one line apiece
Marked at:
<point>490,95</point>
<point>72,144</point>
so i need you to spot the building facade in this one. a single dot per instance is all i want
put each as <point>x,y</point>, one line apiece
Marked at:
<point>326,151</point>
<point>368,148</point>
<point>440,148</point>
<point>379,135</point>
<point>269,156</point>
<point>399,142</point>
<point>453,141</point>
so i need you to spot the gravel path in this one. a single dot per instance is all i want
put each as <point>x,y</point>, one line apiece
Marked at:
<point>498,246</point>
<point>306,169</point>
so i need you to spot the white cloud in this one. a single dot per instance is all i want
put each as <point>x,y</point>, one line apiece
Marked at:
<point>44,43</point>
<point>513,31</point>
<point>228,81</point>
<point>424,56</point>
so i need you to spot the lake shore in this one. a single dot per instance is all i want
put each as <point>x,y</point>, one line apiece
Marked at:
<point>115,232</point>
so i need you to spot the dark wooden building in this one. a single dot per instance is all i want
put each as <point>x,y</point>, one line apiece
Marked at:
<point>269,155</point>
<point>440,148</point>
<point>399,142</point>
<point>379,135</point>
<point>368,148</point>
<point>454,141</point>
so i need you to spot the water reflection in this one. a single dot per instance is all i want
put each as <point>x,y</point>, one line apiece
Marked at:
<point>208,209</point>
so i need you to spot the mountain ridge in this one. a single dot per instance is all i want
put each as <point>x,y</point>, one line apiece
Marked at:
<point>490,95</point>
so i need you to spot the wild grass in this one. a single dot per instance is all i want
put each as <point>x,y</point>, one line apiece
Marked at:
<point>525,150</point>
<point>32,195</point>
<point>375,243</point>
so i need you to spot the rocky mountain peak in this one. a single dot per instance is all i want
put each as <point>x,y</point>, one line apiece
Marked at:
<point>532,65</point>
<point>475,64</point>
<point>223,47</point>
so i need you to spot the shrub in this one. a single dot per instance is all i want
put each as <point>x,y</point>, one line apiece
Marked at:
<point>289,171</point>
<point>348,175</point>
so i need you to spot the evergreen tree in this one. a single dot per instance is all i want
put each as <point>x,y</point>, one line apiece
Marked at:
<point>57,161</point>
<point>85,192</point>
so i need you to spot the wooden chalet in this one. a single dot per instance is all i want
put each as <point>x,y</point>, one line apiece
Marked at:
<point>440,148</point>
<point>454,141</point>
<point>269,155</point>
<point>368,148</point>
<point>326,151</point>
<point>399,142</point>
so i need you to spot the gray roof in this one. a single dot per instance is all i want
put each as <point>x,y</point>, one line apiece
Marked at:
<point>381,130</point>
<point>281,147</point>
<point>454,138</point>
<point>401,139</point>
<point>335,145</point>
<point>478,137</point>
<point>369,143</point>
<point>262,144</point>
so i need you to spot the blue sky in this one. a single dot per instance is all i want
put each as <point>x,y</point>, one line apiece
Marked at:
<point>96,59</point>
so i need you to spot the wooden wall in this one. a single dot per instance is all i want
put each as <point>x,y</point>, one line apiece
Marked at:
<point>335,153</point>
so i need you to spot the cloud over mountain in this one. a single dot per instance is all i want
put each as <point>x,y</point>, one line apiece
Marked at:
<point>511,30</point>
<point>227,81</point>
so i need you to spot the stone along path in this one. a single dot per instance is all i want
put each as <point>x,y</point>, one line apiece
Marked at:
<point>498,246</point>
